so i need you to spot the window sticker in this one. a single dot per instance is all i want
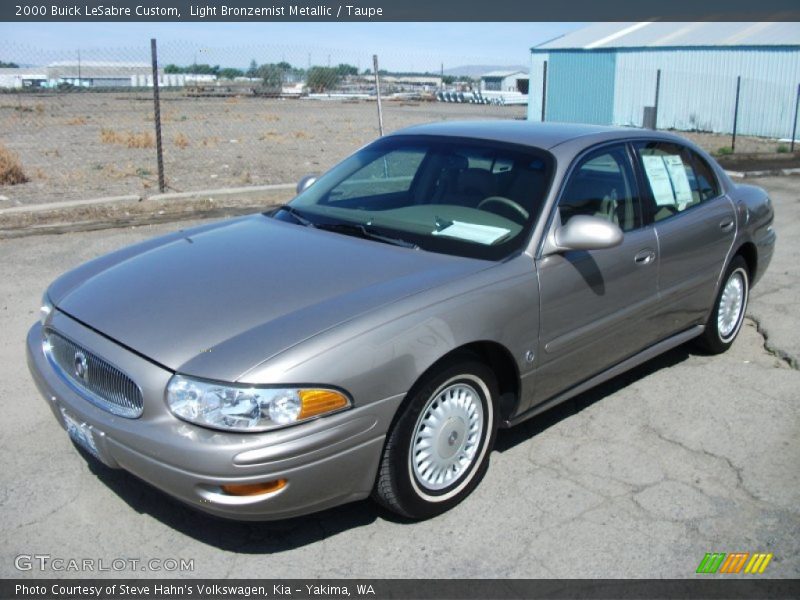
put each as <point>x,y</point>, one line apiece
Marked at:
<point>659,179</point>
<point>472,232</point>
<point>679,179</point>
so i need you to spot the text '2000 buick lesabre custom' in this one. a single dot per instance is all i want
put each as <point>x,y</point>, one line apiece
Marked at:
<point>371,336</point>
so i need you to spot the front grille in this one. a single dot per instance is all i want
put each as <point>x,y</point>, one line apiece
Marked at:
<point>101,383</point>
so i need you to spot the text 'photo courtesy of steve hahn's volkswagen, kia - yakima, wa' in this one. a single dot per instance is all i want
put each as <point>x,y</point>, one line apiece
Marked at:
<point>370,337</point>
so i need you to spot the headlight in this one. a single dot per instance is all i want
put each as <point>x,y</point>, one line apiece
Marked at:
<point>248,408</point>
<point>45,309</point>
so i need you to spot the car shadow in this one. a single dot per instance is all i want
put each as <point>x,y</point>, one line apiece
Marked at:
<point>508,438</point>
<point>234,536</point>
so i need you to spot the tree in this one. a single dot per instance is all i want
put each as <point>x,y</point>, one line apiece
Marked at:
<point>230,73</point>
<point>8,65</point>
<point>271,74</point>
<point>252,70</point>
<point>343,70</point>
<point>320,79</point>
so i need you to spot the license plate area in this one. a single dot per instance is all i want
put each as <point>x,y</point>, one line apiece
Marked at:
<point>81,434</point>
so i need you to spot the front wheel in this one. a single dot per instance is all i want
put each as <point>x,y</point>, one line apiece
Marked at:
<point>727,316</point>
<point>438,450</point>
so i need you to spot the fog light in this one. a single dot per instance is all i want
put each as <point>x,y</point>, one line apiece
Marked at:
<point>253,489</point>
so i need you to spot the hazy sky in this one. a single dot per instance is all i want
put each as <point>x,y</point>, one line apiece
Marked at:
<point>400,46</point>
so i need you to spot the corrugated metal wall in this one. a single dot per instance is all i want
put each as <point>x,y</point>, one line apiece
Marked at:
<point>698,88</point>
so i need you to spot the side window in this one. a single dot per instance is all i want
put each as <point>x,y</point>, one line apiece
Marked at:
<point>677,177</point>
<point>603,186</point>
<point>707,184</point>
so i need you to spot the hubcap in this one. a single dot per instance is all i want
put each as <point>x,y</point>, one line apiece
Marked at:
<point>731,305</point>
<point>447,436</point>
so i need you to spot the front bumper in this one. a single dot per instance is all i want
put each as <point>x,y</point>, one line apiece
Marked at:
<point>325,462</point>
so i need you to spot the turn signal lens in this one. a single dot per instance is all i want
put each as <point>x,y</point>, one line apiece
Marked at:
<point>320,402</point>
<point>253,489</point>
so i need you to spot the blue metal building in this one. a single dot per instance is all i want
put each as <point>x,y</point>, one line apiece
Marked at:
<point>606,74</point>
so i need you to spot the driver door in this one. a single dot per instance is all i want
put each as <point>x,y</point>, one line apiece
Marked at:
<point>595,305</point>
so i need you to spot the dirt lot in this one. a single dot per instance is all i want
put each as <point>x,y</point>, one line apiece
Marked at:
<point>75,146</point>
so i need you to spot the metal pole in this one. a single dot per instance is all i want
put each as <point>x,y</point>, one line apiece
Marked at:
<point>544,88</point>
<point>658,91</point>
<point>794,124</point>
<point>157,109</point>
<point>378,92</point>
<point>736,113</point>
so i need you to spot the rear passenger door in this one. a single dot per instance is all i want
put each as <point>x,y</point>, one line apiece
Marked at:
<point>695,223</point>
<point>595,304</point>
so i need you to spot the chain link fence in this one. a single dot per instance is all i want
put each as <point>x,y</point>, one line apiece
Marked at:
<point>82,124</point>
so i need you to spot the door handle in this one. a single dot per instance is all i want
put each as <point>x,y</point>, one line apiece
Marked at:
<point>726,224</point>
<point>644,257</point>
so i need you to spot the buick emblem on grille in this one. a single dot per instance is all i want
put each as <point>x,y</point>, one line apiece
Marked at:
<point>81,365</point>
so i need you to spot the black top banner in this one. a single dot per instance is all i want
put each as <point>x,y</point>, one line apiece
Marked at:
<point>399,10</point>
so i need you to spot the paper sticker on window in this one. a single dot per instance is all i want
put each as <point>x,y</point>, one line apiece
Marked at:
<point>659,179</point>
<point>472,232</point>
<point>679,179</point>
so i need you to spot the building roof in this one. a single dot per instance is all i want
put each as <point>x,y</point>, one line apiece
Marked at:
<point>502,74</point>
<point>659,34</point>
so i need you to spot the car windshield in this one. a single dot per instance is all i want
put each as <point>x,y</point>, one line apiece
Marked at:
<point>460,196</point>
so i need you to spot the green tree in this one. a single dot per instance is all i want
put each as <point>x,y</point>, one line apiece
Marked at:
<point>173,69</point>
<point>252,70</point>
<point>271,74</point>
<point>8,65</point>
<point>320,79</point>
<point>230,73</point>
<point>343,70</point>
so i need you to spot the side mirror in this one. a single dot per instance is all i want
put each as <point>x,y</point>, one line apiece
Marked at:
<point>305,183</point>
<point>584,233</point>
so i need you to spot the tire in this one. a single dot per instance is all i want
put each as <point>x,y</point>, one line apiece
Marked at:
<point>726,318</point>
<point>421,476</point>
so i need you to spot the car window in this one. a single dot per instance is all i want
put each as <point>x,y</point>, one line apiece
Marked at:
<point>458,196</point>
<point>603,186</point>
<point>678,178</point>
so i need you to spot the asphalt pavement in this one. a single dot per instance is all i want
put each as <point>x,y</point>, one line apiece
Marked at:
<point>641,477</point>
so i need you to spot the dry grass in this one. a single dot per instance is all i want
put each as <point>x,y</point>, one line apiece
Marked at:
<point>301,135</point>
<point>271,118</point>
<point>11,171</point>
<point>127,138</point>
<point>181,141</point>
<point>77,121</point>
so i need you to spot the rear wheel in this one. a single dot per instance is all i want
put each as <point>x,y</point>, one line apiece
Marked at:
<point>726,318</point>
<point>438,450</point>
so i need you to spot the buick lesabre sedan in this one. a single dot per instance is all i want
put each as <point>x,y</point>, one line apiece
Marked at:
<point>370,337</point>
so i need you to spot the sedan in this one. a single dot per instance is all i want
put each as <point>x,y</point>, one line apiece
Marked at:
<point>370,337</point>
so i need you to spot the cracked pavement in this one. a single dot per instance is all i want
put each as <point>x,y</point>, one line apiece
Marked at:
<point>640,477</point>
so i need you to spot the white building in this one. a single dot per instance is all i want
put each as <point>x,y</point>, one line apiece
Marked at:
<point>505,81</point>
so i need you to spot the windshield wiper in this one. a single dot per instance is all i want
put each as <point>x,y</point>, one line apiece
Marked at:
<point>296,214</point>
<point>362,231</point>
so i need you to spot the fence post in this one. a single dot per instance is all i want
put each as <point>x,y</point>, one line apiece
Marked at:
<point>658,92</point>
<point>544,88</point>
<point>794,124</point>
<point>736,113</point>
<point>378,93</point>
<point>157,116</point>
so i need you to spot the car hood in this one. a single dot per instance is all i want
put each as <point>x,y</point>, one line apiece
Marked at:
<point>214,302</point>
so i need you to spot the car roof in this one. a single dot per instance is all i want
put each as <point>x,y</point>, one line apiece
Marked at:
<point>541,135</point>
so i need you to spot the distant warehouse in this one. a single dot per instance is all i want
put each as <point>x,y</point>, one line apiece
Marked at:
<point>607,74</point>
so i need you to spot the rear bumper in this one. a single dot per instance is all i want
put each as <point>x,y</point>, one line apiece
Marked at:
<point>325,462</point>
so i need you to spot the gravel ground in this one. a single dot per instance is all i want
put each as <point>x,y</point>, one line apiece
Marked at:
<point>75,146</point>
<point>639,477</point>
